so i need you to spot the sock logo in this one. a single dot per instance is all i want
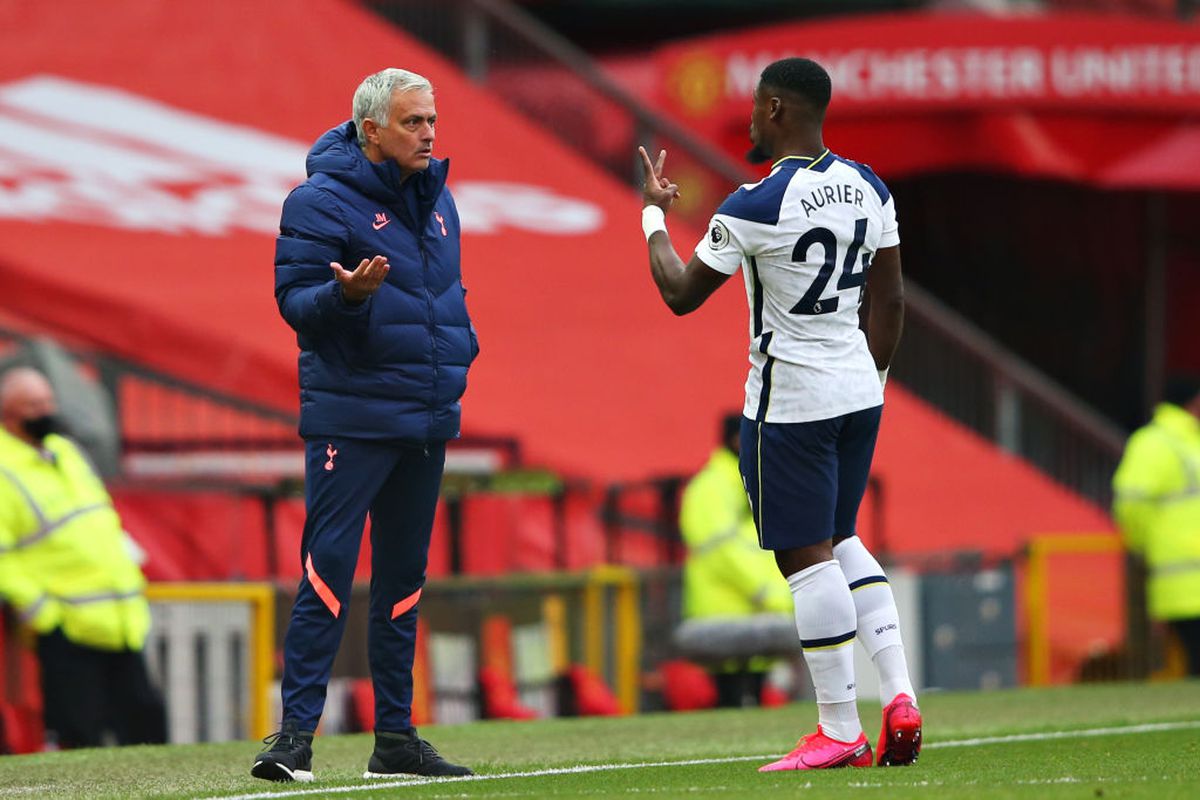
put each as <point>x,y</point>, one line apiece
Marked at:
<point>891,626</point>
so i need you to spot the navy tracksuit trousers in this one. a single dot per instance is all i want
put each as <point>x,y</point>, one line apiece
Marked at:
<point>345,480</point>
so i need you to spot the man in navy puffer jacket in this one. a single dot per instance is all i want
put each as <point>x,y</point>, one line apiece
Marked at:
<point>367,273</point>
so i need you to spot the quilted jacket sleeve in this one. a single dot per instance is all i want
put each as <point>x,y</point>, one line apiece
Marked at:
<point>312,233</point>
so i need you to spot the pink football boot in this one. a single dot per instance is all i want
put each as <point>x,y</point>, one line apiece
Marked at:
<point>818,751</point>
<point>900,739</point>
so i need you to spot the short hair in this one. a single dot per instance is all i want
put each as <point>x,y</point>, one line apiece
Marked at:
<point>801,76</point>
<point>1181,389</point>
<point>373,97</point>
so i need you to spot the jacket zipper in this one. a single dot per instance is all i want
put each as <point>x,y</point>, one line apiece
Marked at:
<point>432,330</point>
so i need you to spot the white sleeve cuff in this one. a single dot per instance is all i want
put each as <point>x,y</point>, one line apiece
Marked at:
<point>717,263</point>
<point>653,220</point>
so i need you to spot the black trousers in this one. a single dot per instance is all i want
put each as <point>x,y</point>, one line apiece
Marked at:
<point>87,692</point>
<point>740,689</point>
<point>1188,631</point>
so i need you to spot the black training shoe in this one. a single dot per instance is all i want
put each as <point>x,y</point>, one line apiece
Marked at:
<point>408,754</point>
<point>289,757</point>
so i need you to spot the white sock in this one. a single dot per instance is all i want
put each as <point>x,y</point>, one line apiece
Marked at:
<point>878,619</point>
<point>825,620</point>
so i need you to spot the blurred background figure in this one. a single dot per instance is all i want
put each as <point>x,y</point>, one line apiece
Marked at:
<point>68,569</point>
<point>729,582</point>
<point>1157,507</point>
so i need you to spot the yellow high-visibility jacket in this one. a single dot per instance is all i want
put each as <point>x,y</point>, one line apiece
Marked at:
<point>726,573</point>
<point>64,561</point>
<point>1157,507</point>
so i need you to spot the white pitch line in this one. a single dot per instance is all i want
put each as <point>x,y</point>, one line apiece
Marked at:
<point>1153,727</point>
<point>18,790</point>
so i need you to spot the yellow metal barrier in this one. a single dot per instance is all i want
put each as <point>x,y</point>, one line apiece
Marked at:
<point>1037,591</point>
<point>261,599</point>
<point>627,630</point>
<point>554,613</point>
<point>592,617</point>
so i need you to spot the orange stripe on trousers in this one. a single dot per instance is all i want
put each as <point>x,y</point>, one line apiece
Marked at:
<point>406,604</point>
<point>321,588</point>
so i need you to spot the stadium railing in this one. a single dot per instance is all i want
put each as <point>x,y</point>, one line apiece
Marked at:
<point>1085,614</point>
<point>528,629</point>
<point>146,426</point>
<point>944,359</point>
<point>212,650</point>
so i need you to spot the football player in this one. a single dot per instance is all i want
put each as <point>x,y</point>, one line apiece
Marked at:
<point>809,239</point>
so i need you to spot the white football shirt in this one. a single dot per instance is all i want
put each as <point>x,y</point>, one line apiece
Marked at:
<point>805,236</point>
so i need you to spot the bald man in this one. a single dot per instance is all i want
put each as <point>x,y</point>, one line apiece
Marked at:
<point>67,571</point>
<point>28,404</point>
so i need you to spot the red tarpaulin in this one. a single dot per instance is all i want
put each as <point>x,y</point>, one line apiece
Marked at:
<point>1171,162</point>
<point>145,148</point>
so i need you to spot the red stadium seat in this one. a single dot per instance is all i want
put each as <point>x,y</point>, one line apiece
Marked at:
<point>508,533</point>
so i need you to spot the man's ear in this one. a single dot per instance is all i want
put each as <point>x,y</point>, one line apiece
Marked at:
<point>370,130</point>
<point>775,108</point>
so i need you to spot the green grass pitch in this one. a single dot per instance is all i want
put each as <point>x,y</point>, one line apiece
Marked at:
<point>1098,741</point>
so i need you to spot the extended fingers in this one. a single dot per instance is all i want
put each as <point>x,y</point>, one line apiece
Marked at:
<point>376,270</point>
<point>369,274</point>
<point>647,163</point>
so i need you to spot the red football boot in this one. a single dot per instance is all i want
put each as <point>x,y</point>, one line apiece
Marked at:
<point>900,739</point>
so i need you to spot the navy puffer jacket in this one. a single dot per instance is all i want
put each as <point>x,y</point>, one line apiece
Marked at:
<point>395,366</point>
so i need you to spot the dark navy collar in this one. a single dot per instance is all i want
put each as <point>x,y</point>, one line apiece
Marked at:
<point>818,164</point>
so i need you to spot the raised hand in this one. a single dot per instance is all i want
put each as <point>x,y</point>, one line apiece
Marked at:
<point>360,284</point>
<point>657,190</point>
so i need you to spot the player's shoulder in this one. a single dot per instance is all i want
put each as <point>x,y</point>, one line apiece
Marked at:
<point>866,173</point>
<point>760,202</point>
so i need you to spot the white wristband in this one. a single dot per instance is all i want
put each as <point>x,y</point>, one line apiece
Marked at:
<point>883,376</point>
<point>653,219</point>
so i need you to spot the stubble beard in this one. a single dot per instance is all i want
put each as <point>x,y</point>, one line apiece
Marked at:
<point>757,155</point>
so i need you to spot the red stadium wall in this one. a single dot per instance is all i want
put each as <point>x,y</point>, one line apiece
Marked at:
<point>580,360</point>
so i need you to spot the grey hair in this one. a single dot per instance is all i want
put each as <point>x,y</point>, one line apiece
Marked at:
<point>373,97</point>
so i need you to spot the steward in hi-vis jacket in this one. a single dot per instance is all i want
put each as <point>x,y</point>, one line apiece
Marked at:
<point>66,568</point>
<point>1157,506</point>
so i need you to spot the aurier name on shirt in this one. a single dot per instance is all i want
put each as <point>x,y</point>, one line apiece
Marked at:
<point>825,195</point>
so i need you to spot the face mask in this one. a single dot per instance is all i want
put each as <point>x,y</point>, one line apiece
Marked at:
<point>39,428</point>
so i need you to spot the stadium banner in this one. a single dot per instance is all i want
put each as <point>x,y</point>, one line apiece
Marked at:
<point>882,64</point>
<point>146,149</point>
